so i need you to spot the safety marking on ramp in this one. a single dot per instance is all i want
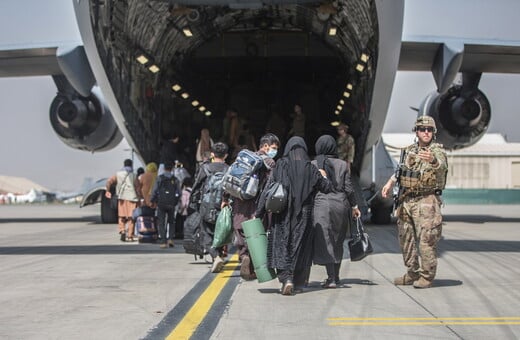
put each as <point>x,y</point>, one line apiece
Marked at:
<point>506,320</point>
<point>198,312</point>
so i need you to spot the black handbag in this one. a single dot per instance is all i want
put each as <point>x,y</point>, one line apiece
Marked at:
<point>113,201</point>
<point>276,198</point>
<point>359,246</point>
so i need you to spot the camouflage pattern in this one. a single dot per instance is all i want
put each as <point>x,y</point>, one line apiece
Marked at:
<point>420,222</point>
<point>422,177</point>
<point>425,121</point>
<point>346,148</point>
<point>419,219</point>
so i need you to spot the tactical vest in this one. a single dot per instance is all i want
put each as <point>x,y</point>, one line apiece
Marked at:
<point>419,176</point>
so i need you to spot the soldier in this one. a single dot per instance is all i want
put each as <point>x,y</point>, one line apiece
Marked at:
<point>346,145</point>
<point>419,220</point>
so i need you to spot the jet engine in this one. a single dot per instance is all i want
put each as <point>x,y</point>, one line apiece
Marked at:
<point>84,123</point>
<point>462,116</point>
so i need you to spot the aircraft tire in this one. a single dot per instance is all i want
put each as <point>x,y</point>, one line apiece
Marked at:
<point>381,214</point>
<point>108,215</point>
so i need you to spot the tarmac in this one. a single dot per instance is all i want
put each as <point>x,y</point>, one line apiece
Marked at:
<point>66,276</point>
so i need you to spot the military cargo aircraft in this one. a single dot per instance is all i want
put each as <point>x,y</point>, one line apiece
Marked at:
<point>147,67</point>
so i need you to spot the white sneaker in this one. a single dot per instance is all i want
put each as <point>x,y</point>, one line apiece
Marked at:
<point>218,264</point>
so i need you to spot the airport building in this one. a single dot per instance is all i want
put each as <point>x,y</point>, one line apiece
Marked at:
<point>14,190</point>
<point>487,172</point>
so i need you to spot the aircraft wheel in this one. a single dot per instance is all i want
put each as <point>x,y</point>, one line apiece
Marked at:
<point>381,214</point>
<point>108,215</point>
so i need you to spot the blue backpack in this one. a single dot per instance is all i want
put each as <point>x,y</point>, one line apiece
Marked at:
<point>241,179</point>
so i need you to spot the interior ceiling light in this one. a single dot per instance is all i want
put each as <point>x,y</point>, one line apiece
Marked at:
<point>195,103</point>
<point>154,68</point>
<point>346,94</point>
<point>349,86</point>
<point>333,30</point>
<point>339,107</point>
<point>202,109</point>
<point>342,102</point>
<point>360,67</point>
<point>336,112</point>
<point>187,32</point>
<point>142,59</point>
<point>185,95</point>
<point>176,87</point>
<point>207,113</point>
<point>364,57</point>
<point>334,123</point>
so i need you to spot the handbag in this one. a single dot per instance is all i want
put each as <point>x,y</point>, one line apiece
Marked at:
<point>276,198</point>
<point>359,246</point>
<point>113,201</point>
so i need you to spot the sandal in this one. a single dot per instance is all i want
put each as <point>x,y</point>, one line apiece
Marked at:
<point>130,239</point>
<point>122,236</point>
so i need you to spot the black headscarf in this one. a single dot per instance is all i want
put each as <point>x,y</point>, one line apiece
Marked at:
<point>294,170</point>
<point>326,148</point>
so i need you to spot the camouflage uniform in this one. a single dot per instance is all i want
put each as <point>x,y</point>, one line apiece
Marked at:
<point>419,211</point>
<point>346,148</point>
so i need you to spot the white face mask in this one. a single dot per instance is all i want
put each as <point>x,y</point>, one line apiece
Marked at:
<point>272,153</point>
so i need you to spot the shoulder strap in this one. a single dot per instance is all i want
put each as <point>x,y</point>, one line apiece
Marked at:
<point>124,182</point>
<point>206,171</point>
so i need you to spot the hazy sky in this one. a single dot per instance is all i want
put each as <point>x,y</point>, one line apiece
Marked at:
<point>29,148</point>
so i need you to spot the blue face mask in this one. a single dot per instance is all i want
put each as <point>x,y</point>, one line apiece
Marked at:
<point>272,153</point>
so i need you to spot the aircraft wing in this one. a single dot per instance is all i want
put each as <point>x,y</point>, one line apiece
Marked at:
<point>67,59</point>
<point>445,57</point>
<point>36,61</point>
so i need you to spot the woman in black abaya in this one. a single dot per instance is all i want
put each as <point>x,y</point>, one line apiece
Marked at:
<point>331,213</point>
<point>290,241</point>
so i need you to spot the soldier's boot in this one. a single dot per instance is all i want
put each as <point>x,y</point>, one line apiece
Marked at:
<point>405,280</point>
<point>422,283</point>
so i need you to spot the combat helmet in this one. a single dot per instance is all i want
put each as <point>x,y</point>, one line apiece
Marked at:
<point>426,121</point>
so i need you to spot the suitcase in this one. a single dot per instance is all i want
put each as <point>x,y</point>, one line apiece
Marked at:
<point>192,242</point>
<point>146,228</point>
<point>152,238</point>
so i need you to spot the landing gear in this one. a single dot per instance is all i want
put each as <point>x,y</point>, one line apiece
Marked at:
<point>381,214</point>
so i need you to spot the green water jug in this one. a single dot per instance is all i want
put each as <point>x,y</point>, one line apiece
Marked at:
<point>256,239</point>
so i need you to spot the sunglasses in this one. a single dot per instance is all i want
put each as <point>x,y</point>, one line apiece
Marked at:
<point>424,129</point>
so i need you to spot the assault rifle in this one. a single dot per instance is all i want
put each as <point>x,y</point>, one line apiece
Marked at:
<point>398,189</point>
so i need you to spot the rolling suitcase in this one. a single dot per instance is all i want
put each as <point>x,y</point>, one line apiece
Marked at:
<point>146,227</point>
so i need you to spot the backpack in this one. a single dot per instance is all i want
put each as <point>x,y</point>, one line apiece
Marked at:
<point>241,179</point>
<point>211,197</point>
<point>168,193</point>
<point>193,237</point>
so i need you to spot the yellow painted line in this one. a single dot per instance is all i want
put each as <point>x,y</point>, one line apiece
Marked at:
<point>188,325</point>
<point>505,320</point>
<point>432,318</point>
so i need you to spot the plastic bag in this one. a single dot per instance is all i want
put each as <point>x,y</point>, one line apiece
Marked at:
<point>223,228</point>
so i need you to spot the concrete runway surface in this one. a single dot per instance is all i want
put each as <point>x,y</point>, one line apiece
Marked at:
<point>66,276</point>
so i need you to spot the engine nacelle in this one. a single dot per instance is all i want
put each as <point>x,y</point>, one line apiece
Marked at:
<point>461,120</point>
<point>84,123</point>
